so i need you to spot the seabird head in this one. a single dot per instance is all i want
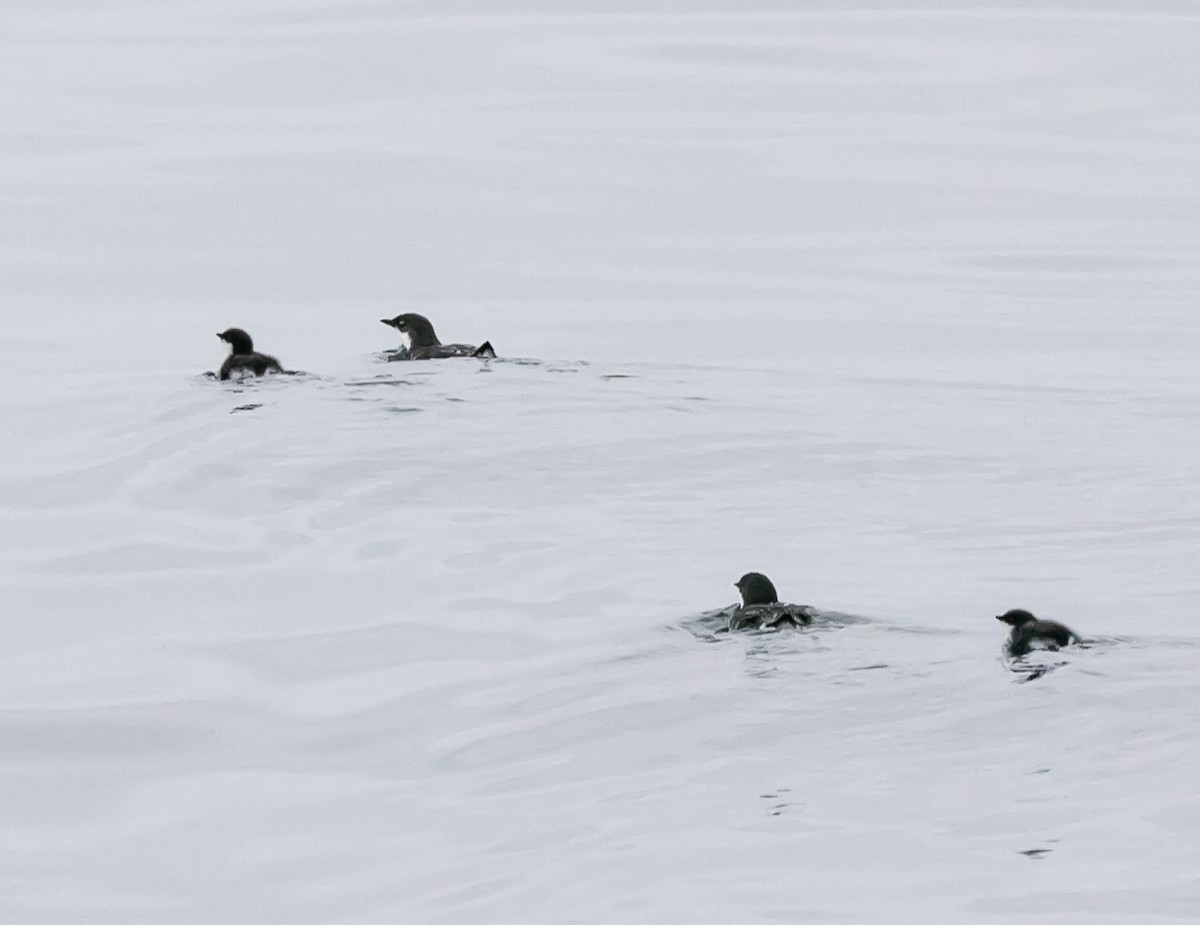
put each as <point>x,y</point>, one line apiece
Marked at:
<point>238,340</point>
<point>1016,617</point>
<point>417,327</point>
<point>756,588</point>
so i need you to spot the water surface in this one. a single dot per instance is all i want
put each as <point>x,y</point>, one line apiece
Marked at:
<point>895,305</point>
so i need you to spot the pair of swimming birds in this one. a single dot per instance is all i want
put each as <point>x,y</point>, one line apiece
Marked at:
<point>423,344</point>
<point>761,609</point>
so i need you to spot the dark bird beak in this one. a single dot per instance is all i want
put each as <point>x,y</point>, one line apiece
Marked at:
<point>1000,617</point>
<point>387,321</point>
<point>220,336</point>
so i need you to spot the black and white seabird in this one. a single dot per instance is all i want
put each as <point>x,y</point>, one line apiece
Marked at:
<point>423,343</point>
<point>761,608</point>
<point>1028,633</point>
<point>242,359</point>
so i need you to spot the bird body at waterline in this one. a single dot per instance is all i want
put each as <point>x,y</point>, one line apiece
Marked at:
<point>243,359</point>
<point>761,609</point>
<point>423,343</point>
<point>1029,633</point>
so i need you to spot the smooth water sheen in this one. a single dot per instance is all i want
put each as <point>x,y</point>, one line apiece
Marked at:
<point>895,303</point>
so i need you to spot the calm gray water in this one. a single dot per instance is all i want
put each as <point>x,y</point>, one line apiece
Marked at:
<point>897,305</point>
